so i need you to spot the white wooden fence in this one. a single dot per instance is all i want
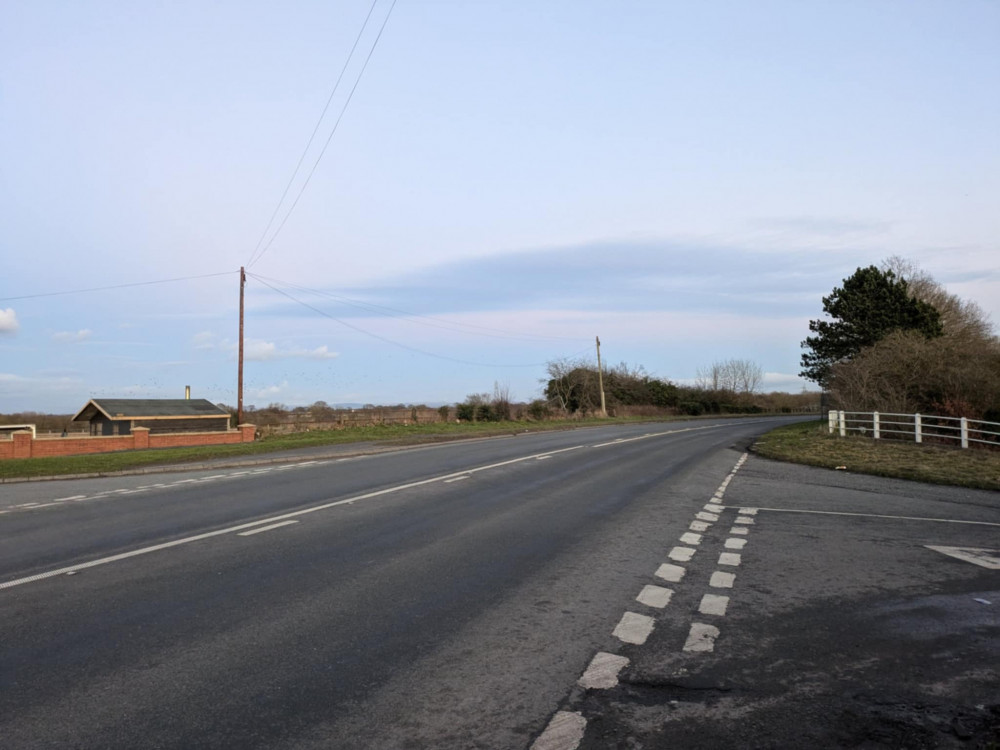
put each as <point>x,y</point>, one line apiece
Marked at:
<point>916,427</point>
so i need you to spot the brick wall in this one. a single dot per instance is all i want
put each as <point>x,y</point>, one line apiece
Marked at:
<point>22,445</point>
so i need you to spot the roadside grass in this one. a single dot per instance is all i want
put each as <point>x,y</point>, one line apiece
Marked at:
<point>106,463</point>
<point>809,443</point>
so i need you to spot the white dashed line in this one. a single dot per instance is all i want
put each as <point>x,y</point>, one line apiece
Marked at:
<point>602,673</point>
<point>71,497</point>
<point>743,519</point>
<point>729,558</point>
<point>262,529</point>
<point>699,526</point>
<point>564,732</point>
<point>713,508</point>
<point>713,604</point>
<point>655,596</point>
<point>691,538</point>
<point>671,573</point>
<point>748,511</point>
<point>720,580</point>
<point>701,638</point>
<point>736,544</point>
<point>681,554</point>
<point>739,530</point>
<point>633,628</point>
<point>703,516</point>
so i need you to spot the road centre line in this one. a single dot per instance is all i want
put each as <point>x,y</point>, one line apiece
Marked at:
<point>251,532</point>
<point>264,521</point>
<point>619,441</point>
<point>868,515</point>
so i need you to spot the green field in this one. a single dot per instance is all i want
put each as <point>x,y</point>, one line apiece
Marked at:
<point>810,443</point>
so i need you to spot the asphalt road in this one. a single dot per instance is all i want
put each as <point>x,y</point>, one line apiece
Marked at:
<point>445,596</point>
<point>455,596</point>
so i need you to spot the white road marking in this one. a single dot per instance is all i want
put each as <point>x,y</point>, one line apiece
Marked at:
<point>262,529</point>
<point>672,573</point>
<point>655,596</point>
<point>703,516</point>
<point>713,508</point>
<point>876,515</point>
<point>739,530</point>
<point>699,526</point>
<point>542,458</point>
<point>744,520</point>
<point>748,511</point>
<point>181,481</point>
<point>729,558</point>
<point>986,558</point>
<point>736,544</point>
<point>26,505</point>
<point>564,732</point>
<point>681,554</point>
<point>713,604</point>
<point>264,521</point>
<point>702,637</point>
<point>71,497</point>
<point>633,628</point>
<point>456,479</point>
<point>720,580</point>
<point>689,537</point>
<point>602,673</point>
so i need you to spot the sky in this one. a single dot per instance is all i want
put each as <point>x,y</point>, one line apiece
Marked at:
<point>491,185</point>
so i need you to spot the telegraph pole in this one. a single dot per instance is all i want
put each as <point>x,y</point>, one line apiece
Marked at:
<point>600,377</point>
<point>239,369</point>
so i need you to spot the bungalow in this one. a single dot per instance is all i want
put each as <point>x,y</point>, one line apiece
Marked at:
<point>117,416</point>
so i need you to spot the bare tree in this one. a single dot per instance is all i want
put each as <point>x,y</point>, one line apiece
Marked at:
<point>737,377</point>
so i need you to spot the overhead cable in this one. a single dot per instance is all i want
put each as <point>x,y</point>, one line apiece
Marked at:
<point>258,255</point>
<point>116,286</point>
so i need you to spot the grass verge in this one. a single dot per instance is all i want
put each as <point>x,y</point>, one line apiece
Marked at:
<point>105,463</point>
<point>809,443</point>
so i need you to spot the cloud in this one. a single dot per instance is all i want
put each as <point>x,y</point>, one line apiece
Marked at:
<point>269,390</point>
<point>204,340</point>
<point>71,337</point>
<point>264,351</point>
<point>8,321</point>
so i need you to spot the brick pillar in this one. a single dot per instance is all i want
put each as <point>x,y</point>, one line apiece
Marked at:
<point>22,444</point>
<point>140,438</point>
<point>247,430</point>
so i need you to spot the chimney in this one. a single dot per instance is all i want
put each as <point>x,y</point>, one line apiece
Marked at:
<point>187,392</point>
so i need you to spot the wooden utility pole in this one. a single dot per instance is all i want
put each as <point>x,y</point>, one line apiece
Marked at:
<point>600,377</point>
<point>239,367</point>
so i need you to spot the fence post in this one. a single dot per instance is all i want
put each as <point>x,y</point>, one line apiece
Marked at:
<point>965,432</point>
<point>916,427</point>
<point>843,423</point>
<point>875,426</point>
<point>831,419</point>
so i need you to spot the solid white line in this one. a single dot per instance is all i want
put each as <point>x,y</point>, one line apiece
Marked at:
<point>542,458</point>
<point>871,515</point>
<point>633,628</point>
<point>456,479</point>
<point>602,673</point>
<point>654,596</point>
<point>564,732</point>
<point>263,521</point>
<point>266,528</point>
<point>619,441</point>
<point>701,638</point>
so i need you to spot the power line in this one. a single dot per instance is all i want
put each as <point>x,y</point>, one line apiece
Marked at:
<point>257,256</point>
<point>432,321</point>
<point>393,342</point>
<point>319,122</point>
<point>116,286</point>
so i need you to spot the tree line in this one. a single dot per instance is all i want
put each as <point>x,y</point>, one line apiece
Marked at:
<point>895,340</point>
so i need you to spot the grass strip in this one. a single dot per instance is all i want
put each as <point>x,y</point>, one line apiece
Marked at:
<point>809,443</point>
